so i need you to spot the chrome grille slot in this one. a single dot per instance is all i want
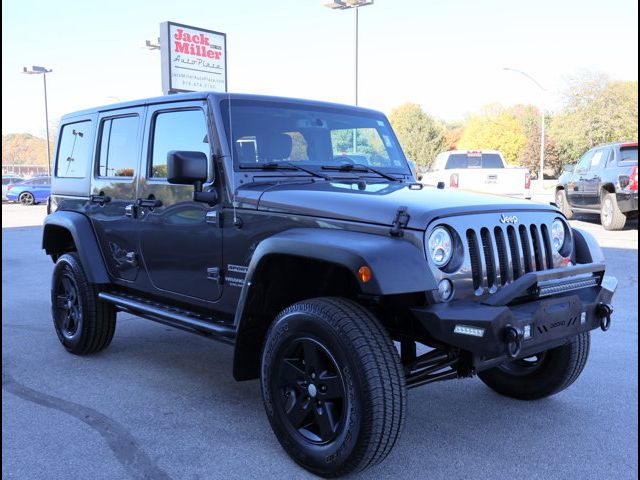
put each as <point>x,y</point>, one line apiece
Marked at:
<point>487,250</point>
<point>526,249</point>
<point>515,252</point>
<point>537,248</point>
<point>474,255</point>
<point>503,259</point>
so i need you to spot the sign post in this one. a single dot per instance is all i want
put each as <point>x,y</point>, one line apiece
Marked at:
<point>193,59</point>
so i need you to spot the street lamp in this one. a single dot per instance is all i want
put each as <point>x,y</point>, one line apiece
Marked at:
<point>37,71</point>
<point>541,173</point>
<point>344,5</point>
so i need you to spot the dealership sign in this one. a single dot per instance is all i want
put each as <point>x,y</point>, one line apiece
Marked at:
<point>193,59</point>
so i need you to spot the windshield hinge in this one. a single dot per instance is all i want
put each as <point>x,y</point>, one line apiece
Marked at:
<point>399,222</point>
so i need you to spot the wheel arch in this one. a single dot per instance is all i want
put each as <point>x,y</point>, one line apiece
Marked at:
<point>72,231</point>
<point>306,263</point>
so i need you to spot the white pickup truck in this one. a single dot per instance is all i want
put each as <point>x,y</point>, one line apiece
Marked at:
<point>479,171</point>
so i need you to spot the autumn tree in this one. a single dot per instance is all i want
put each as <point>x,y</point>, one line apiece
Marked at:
<point>595,110</point>
<point>494,128</point>
<point>421,136</point>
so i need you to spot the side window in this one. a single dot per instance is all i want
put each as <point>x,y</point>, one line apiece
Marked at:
<point>178,130</point>
<point>598,159</point>
<point>611,158</point>
<point>585,160</point>
<point>118,147</point>
<point>74,150</point>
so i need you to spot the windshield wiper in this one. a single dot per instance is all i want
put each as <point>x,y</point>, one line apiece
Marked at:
<point>284,166</point>
<point>359,167</point>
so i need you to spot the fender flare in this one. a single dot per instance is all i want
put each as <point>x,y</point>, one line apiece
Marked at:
<point>347,249</point>
<point>84,238</point>
<point>586,247</point>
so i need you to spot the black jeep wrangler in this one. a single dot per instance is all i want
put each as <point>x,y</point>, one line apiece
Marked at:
<point>296,232</point>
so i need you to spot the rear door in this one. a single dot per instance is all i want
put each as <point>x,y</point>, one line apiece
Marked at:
<point>114,188</point>
<point>180,240</point>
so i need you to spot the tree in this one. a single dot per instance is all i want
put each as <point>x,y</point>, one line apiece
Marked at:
<point>495,128</point>
<point>595,110</point>
<point>421,136</point>
<point>530,154</point>
<point>23,149</point>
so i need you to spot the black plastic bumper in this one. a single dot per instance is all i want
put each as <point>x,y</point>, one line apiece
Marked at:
<point>539,311</point>
<point>627,201</point>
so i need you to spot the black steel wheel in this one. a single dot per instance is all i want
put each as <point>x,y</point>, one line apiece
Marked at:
<point>84,324</point>
<point>333,386</point>
<point>540,375</point>
<point>26,199</point>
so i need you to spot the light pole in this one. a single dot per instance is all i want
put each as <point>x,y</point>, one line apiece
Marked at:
<point>37,71</point>
<point>345,5</point>
<point>541,172</point>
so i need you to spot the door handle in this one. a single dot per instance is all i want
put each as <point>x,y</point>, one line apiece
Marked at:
<point>101,198</point>
<point>148,202</point>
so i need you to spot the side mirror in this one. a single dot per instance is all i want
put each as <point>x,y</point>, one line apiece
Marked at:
<point>186,168</point>
<point>190,168</point>
<point>568,168</point>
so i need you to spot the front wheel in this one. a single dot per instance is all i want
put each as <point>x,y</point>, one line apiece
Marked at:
<point>333,386</point>
<point>563,204</point>
<point>540,375</point>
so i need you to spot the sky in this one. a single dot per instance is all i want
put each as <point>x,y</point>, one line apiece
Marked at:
<point>446,55</point>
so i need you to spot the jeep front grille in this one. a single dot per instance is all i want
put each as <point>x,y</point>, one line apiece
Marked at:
<point>504,254</point>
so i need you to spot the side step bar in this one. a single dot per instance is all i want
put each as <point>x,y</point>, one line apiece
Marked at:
<point>172,317</point>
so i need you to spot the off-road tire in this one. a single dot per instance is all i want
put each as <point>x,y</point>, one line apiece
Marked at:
<point>90,326</point>
<point>374,391</point>
<point>563,204</point>
<point>559,368</point>
<point>611,217</point>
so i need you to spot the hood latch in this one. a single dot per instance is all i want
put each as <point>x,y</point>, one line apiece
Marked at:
<point>399,222</point>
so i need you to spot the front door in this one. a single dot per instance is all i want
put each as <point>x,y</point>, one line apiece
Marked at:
<point>593,178</point>
<point>575,187</point>
<point>180,240</point>
<point>113,189</point>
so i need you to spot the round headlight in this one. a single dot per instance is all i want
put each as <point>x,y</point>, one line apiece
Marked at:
<point>440,246</point>
<point>557,234</point>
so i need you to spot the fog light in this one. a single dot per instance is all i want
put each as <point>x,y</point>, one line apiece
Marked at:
<point>526,332</point>
<point>466,330</point>
<point>445,289</point>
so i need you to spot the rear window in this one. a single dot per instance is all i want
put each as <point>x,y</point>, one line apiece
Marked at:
<point>629,155</point>
<point>74,150</point>
<point>474,160</point>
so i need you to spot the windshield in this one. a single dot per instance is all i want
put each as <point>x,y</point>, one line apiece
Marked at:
<point>309,136</point>
<point>474,160</point>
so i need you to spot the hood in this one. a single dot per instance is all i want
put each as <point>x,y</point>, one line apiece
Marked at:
<point>377,203</point>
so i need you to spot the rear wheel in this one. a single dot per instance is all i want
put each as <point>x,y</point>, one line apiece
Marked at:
<point>333,386</point>
<point>611,216</point>
<point>563,204</point>
<point>26,198</point>
<point>540,375</point>
<point>84,323</point>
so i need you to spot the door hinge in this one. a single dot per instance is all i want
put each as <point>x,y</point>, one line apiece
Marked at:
<point>399,222</point>
<point>214,273</point>
<point>214,217</point>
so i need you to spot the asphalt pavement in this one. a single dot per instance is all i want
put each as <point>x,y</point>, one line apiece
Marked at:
<point>160,403</point>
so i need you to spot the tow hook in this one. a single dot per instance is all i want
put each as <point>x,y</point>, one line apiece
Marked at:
<point>513,338</point>
<point>604,311</point>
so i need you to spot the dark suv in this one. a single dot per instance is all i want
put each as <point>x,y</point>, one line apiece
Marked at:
<point>295,231</point>
<point>605,181</point>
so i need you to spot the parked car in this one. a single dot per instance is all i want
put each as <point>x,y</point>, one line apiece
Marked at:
<point>30,192</point>
<point>479,171</point>
<point>604,181</point>
<point>311,263</point>
<point>9,180</point>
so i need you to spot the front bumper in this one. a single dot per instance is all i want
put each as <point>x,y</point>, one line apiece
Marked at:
<point>545,308</point>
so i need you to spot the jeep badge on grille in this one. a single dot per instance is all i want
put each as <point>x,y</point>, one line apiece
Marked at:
<point>508,219</point>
